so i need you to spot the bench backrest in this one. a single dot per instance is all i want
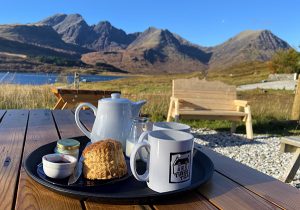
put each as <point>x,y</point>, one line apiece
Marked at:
<point>202,94</point>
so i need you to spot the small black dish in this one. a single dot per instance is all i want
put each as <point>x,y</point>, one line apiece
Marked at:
<point>82,182</point>
<point>128,190</point>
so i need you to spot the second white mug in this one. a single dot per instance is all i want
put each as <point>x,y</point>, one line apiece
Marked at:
<point>171,126</point>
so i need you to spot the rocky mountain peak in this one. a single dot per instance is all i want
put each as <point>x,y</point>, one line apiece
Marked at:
<point>268,40</point>
<point>72,28</point>
<point>248,34</point>
<point>250,45</point>
<point>103,26</point>
<point>103,36</point>
<point>53,20</point>
<point>150,38</point>
<point>62,19</point>
<point>260,39</point>
<point>104,23</point>
<point>152,29</point>
<point>68,21</point>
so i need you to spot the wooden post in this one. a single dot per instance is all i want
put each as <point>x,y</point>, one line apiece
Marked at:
<point>296,105</point>
<point>170,110</point>
<point>176,110</point>
<point>233,127</point>
<point>76,80</point>
<point>249,129</point>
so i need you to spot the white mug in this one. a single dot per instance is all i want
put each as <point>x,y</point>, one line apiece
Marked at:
<point>169,166</point>
<point>171,126</point>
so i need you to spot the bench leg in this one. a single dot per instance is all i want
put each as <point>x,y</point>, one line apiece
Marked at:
<point>170,111</point>
<point>249,129</point>
<point>233,127</point>
<point>292,168</point>
<point>65,106</point>
<point>59,104</point>
<point>176,118</point>
<point>282,147</point>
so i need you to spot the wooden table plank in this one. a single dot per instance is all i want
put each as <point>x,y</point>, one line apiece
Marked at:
<point>227,194</point>
<point>41,130</point>
<point>191,200</point>
<point>263,185</point>
<point>12,130</point>
<point>101,206</point>
<point>67,127</point>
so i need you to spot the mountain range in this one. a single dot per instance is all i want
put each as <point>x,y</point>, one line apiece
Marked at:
<point>151,51</point>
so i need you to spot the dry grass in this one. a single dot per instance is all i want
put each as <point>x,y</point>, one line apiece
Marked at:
<point>269,105</point>
<point>268,108</point>
<point>25,97</point>
<point>240,74</point>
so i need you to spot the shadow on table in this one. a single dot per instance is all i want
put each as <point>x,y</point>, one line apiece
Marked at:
<point>186,200</point>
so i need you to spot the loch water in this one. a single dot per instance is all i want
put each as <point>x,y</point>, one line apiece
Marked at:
<point>48,78</point>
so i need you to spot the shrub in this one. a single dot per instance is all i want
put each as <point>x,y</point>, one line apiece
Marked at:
<point>59,61</point>
<point>285,61</point>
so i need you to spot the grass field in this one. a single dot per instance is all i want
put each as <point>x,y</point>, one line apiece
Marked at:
<point>270,110</point>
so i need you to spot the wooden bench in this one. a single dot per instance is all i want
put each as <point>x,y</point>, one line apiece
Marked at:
<point>201,99</point>
<point>291,144</point>
<point>70,98</point>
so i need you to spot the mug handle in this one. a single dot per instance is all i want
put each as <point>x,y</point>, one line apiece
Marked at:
<point>144,177</point>
<point>79,124</point>
<point>141,139</point>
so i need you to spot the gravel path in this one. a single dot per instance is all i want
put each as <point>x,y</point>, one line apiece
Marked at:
<point>278,85</point>
<point>261,154</point>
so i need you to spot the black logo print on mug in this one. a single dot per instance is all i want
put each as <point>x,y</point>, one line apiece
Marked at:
<point>180,167</point>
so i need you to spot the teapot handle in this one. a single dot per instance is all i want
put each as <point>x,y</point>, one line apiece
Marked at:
<point>79,124</point>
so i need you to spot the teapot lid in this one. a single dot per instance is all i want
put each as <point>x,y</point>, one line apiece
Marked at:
<point>116,98</point>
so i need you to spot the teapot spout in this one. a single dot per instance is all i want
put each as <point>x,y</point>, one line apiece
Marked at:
<point>136,107</point>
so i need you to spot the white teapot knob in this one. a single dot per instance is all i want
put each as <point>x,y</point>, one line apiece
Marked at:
<point>115,95</point>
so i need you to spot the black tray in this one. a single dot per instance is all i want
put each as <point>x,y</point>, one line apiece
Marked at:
<point>129,190</point>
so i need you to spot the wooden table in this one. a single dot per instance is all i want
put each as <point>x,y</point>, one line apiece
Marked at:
<point>70,98</point>
<point>233,185</point>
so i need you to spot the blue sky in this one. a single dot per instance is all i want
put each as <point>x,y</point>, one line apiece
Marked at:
<point>206,22</point>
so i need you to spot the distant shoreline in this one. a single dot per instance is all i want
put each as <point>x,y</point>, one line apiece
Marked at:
<point>67,71</point>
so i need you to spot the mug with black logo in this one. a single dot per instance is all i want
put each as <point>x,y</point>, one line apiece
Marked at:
<point>169,163</point>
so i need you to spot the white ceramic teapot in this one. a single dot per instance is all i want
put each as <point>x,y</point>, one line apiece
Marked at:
<point>113,118</point>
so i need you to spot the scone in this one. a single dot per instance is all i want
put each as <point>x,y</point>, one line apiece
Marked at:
<point>104,160</point>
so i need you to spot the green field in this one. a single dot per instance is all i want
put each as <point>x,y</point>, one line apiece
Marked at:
<point>270,109</point>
